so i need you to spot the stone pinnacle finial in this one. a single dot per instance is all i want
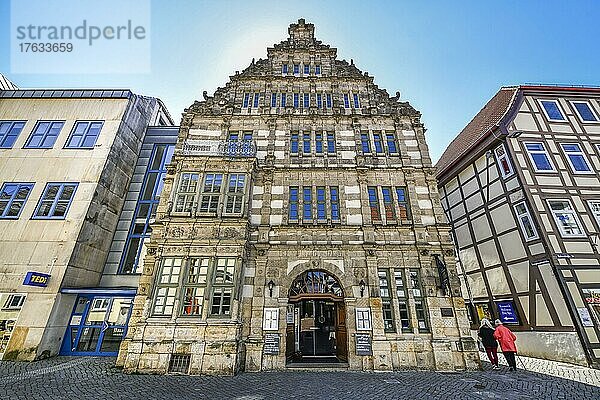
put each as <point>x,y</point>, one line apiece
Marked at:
<point>301,31</point>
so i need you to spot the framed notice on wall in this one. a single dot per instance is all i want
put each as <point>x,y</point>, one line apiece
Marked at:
<point>363,319</point>
<point>507,313</point>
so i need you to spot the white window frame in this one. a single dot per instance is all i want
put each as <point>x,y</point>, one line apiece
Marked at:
<point>363,319</point>
<point>10,298</point>
<point>500,157</point>
<point>271,319</point>
<point>581,153</point>
<point>187,194</point>
<point>559,109</point>
<point>573,102</point>
<point>595,213</point>
<point>545,151</point>
<point>527,214</point>
<point>572,211</point>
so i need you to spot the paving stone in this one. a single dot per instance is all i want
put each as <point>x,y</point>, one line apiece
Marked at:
<point>97,378</point>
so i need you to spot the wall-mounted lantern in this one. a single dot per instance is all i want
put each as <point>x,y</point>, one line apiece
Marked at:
<point>271,285</point>
<point>362,286</point>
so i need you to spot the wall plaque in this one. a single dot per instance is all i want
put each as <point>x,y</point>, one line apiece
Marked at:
<point>363,344</point>
<point>271,343</point>
<point>447,312</point>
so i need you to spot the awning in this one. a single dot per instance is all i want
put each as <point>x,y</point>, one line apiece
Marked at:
<point>120,291</point>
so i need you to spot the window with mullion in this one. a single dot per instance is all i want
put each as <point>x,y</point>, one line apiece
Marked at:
<point>319,143</point>
<point>335,203</point>
<point>595,208</point>
<point>386,301</point>
<point>321,204</point>
<point>296,100</point>
<point>293,208</point>
<point>539,157</point>
<point>307,203</point>
<point>306,69</point>
<point>306,100</point>
<point>374,204</point>
<point>388,203</point>
<point>503,162</point>
<point>566,218</point>
<point>576,157</point>
<point>420,307</point>
<point>585,111</point>
<point>378,142</point>
<point>525,221</point>
<point>346,100</point>
<point>306,143</point>
<point>401,294</point>
<point>44,135</point>
<point>12,199</point>
<point>552,110</point>
<point>329,102</point>
<point>55,201</point>
<point>331,142</point>
<point>9,132</point>
<point>211,192</point>
<point>391,143</point>
<point>166,286</point>
<point>365,143</point>
<point>185,197</point>
<point>319,100</point>
<point>273,100</point>
<point>84,135</point>
<point>194,286</point>
<point>403,203</point>
<point>283,100</point>
<point>356,100</point>
<point>294,145</point>
<point>246,101</point>
<point>255,100</point>
<point>235,194</point>
<point>222,290</point>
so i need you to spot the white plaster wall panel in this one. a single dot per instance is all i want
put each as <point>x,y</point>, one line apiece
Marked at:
<point>352,189</point>
<point>489,253</point>
<point>275,219</point>
<point>276,189</point>
<point>542,314</point>
<point>519,273</point>
<point>466,174</point>
<point>354,219</point>
<point>260,154</point>
<point>469,259</point>
<point>257,203</point>
<point>277,204</point>
<point>578,247</point>
<point>473,202</point>
<point>512,246</point>
<point>477,285</point>
<point>481,228</point>
<point>353,204</point>
<point>497,281</point>
<point>463,236</point>
<point>258,190</point>
<point>562,128</point>
<point>502,218</point>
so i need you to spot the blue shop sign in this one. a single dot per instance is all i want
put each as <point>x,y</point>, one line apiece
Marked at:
<point>507,313</point>
<point>36,279</point>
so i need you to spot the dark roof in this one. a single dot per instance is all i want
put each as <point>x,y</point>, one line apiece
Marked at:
<point>477,129</point>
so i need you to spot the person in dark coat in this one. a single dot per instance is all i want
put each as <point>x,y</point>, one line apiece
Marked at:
<point>486,333</point>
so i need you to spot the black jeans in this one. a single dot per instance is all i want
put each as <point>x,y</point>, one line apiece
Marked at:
<point>510,358</point>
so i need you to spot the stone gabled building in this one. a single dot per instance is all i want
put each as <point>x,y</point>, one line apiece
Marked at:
<point>299,224</point>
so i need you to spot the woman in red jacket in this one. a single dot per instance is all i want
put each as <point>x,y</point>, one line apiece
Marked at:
<point>507,343</point>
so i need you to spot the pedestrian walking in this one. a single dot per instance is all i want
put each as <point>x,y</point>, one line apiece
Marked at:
<point>507,343</point>
<point>486,333</point>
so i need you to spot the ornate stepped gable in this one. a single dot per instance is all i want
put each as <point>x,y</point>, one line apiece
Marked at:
<point>224,100</point>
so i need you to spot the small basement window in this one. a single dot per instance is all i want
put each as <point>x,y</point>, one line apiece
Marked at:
<point>180,363</point>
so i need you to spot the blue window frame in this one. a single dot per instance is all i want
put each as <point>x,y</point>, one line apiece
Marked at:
<point>307,203</point>
<point>284,69</point>
<point>378,143</point>
<point>44,135</point>
<point>296,100</point>
<point>306,69</point>
<point>12,199</point>
<point>552,110</point>
<point>84,135</point>
<point>328,97</point>
<point>319,100</point>
<point>9,131</point>
<point>335,203</point>
<point>296,68</point>
<point>391,143</point>
<point>330,142</point>
<point>273,99</point>
<point>403,204</point>
<point>306,100</point>
<point>356,101</point>
<point>585,111</point>
<point>55,201</point>
<point>321,204</point>
<point>539,156</point>
<point>306,143</point>
<point>346,100</point>
<point>145,209</point>
<point>365,143</point>
<point>256,97</point>
<point>283,99</point>
<point>317,69</point>
<point>246,100</point>
<point>294,143</point>
<point>374,204</point>
<point>319,143</point>
<point>293,214</point>
<point>576,157</point>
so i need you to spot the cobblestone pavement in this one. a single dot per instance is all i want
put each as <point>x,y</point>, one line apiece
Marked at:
<point>96,378</point>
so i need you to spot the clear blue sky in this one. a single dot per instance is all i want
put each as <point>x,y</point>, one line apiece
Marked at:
<point>446,58</point>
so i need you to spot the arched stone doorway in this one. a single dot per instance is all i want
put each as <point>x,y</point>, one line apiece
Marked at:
<point>317,332</point>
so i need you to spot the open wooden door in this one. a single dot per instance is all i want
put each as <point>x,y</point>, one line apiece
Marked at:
<point>341,334</point>
<point>290,335</point>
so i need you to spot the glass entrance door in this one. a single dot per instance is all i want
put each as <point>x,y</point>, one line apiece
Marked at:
<point>317,328</point>
<point>98,325</point>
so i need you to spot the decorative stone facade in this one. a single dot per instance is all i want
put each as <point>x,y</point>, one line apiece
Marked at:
<point>310,167</point>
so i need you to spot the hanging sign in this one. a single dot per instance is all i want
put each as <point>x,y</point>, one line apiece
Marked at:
<point>36,279</point>
<point>507,313</point>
